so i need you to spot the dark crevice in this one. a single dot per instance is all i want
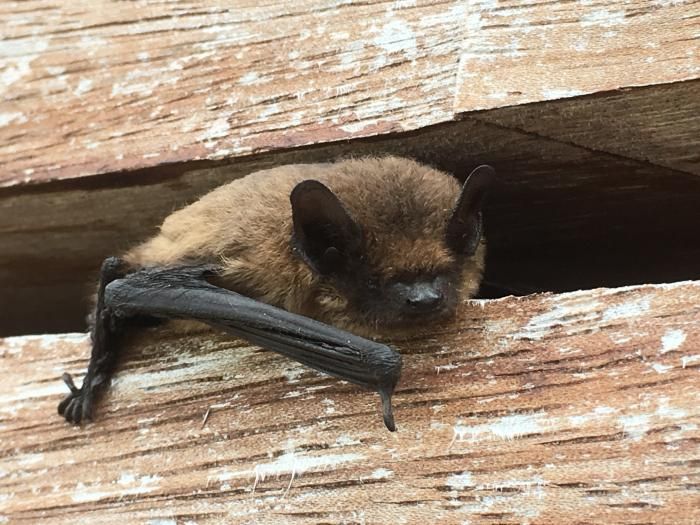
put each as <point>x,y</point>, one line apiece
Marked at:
<point>564,217</point>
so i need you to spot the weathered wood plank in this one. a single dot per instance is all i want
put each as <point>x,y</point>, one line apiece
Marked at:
<point>549,408</point>
<point>517,52</point>
<point>103,87</point>
<point>657,124</point>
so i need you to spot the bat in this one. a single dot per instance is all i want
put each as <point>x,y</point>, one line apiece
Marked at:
<point>313,261</point>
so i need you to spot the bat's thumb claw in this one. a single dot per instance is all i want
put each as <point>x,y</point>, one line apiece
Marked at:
<point>68,380</point>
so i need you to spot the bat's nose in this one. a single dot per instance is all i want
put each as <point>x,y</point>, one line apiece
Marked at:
<point>424,297</point>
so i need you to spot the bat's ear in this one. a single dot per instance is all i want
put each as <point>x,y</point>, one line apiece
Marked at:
<point>465,226</point>
<point>324,232</point>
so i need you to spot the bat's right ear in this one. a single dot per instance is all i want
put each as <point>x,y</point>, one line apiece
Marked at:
<point>465,227</point>
<point>324,232</point>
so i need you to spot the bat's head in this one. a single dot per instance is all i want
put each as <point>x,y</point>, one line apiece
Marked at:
<point>395,251</point>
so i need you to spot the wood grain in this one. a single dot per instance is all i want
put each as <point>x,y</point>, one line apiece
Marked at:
<point>99,87</point>
<point>580,407</point>
<point>104,86</point>
<point>657,125</point>
<point>517,52</point>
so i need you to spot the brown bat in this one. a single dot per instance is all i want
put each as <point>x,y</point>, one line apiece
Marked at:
<point>288,258</point>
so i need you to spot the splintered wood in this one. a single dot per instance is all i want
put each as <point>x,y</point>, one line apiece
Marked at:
<point>580,407</point>
<point>95,87</point>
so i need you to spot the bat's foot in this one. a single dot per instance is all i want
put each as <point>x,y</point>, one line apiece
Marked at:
<point>77,406</point>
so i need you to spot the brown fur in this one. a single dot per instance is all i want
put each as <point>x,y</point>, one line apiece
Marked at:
<point>246,226</point>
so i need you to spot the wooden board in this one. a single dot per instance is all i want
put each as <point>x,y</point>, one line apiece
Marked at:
<point>100,87</point>
<point>103,87</point>
<point>656,125</point>
<point>516,52</point>
<point>543,409</point>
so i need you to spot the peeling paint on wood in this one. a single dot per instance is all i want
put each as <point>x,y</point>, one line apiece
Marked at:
<point>108,87</point>
<point>537,409</point>
<point>103,87</point>
<point>517,52</point>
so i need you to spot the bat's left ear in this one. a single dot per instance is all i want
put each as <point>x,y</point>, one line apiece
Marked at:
<point>324,232</point>
<point>464,228</point>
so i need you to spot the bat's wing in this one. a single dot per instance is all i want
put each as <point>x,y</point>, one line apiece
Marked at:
<point>185,293</point>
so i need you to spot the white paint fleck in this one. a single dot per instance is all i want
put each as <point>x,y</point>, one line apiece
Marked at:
<point>635,426</point>
<point>83,493</point>
<point>138,88</point>
<point>668,3</point>
<point>83,87</point>
<point>569,350</point>
<point>293,374</point>
<point>30,459</point>
<point>508,427</point>
<point>161,521</point>
<point>448,366</point>
<point>297,464</point>
<point>250,78</point>
<point>661,368</point>
<point>357,127</point>
<point>665,410</point>
<point>564,312</point>
<point>552,94</point>
<point>269,110</point>
<point>672,340</point>
<point>135,484</point>
<point>620,339</point>
<point>17,57</point>
<point>126,478</point>
<point>689,359</point>
<point>381,473</point>
<point>316,388</point>
<point>603,18</point>
<point>143,56</point>
<point>460,481</point>
<point>579,421</point>
<point>329,405</point>
<point>626,310</point>
<point>346,441</point>
<point>219,129</point>
<point>397,36</point>
<point>603,410</point>
<point>10,117</point>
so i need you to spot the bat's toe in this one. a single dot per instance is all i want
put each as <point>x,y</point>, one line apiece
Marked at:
<point>75,408</point>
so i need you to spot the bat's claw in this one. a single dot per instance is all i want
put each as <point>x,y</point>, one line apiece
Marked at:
<point>76,407</point>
